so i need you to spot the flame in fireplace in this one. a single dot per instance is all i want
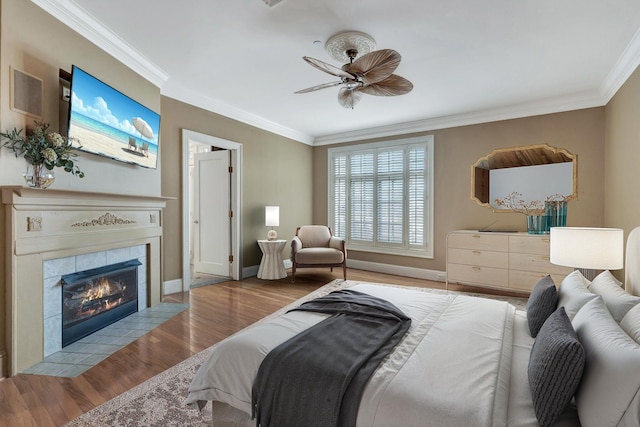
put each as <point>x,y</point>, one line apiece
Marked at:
<point>103,295</point>
<point>94,298</point>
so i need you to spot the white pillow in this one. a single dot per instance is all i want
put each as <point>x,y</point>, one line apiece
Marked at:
<point>607,395</point>
<point>631,323</point>
<point>618,301</point>
<point>573,293</point>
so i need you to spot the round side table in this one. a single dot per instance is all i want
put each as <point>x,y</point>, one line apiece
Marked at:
<point>271,266</point>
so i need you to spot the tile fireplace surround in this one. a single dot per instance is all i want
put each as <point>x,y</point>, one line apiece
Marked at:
<point>44,225</point>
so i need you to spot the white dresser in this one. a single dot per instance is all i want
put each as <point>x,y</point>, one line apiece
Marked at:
<point>510,261</point>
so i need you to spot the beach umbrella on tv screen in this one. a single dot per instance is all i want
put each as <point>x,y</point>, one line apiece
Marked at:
<point>142,127</point>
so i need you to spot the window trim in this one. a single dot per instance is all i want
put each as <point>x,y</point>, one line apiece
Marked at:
<point>428,140</point>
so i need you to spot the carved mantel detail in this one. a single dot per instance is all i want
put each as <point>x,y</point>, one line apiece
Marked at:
<point>34,223</point>
<point>105,219</point>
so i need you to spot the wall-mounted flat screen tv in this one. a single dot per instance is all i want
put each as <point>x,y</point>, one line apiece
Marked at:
<point>106,122</point>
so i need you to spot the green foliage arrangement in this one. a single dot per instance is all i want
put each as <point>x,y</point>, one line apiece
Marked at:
<point>41,147</point>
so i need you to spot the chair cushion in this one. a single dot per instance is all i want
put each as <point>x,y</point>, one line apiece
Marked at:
<point>313,236</point>
<point>319,256</point>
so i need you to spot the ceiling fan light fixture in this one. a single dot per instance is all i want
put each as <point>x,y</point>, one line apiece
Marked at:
<point>338,45</point>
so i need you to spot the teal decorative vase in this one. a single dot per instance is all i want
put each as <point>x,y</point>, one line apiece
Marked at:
<point>537,224</point>
<point>556,213</point>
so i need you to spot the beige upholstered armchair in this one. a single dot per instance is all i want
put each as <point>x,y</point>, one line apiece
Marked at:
<point>316,246</point>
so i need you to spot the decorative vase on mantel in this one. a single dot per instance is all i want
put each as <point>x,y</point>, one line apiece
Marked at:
<point>38,176</point>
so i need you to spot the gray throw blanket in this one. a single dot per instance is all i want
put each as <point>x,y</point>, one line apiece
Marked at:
<point>317,377</point>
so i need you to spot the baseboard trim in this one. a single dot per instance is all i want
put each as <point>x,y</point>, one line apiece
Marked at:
<point>3,364</point>
<point>250,271</point>
<point>253,270</point>
<point>172,287</point>
<point>398,270</point>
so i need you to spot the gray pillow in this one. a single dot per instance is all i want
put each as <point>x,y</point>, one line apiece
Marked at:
<point>555,368</point>
<point>541,303</point>
<point>573,293</point>
<point>618,301</point>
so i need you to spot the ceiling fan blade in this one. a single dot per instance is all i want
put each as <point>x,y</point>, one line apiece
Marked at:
<point>318,87</point>
<point>391,86</point>
<point>328,68</point>
<point>376,66</point>
<point>348,98</point>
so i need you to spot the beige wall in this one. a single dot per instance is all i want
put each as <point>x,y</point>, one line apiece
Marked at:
<point>622,157</point>
<point>35,42</point>
<point>456,149</point>
<point>275,171</point>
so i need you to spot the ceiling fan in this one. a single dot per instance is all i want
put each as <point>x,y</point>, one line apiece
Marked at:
<point>371,74</point>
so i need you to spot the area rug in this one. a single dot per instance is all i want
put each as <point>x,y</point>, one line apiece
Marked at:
<point>160,401</point>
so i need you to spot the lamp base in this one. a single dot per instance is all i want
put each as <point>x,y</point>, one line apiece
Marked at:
<point>272,235</point>
<point>589,273</point>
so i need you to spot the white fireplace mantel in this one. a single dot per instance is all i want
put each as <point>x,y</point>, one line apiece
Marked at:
<point>47,224</point>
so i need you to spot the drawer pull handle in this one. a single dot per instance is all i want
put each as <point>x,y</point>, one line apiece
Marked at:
<point>476,252</point>
<point>476,236</point>
<point>475,268</point>
<point>546,258</point>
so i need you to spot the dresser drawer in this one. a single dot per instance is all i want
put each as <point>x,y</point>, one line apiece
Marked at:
<point>478,257</point>
<point>530,244</point>
<point>535,264</point>
<point>487,276</point>
<point>484,241</point>
<point>526,280</point>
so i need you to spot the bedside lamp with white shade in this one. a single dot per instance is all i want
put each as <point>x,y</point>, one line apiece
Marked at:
<point>272,219</point>
<point>587,249</point>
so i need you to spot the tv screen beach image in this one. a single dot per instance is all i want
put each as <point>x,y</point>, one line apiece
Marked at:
<point>107,122</point>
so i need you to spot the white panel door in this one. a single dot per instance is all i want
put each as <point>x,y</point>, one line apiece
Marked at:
<point>211,213</point>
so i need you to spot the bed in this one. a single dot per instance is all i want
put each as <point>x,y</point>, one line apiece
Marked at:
<point>471,361</point>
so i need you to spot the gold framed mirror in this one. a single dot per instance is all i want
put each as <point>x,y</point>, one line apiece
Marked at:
<point>515,167</point>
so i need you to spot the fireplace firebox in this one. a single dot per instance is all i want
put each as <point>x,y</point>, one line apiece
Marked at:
<point>93,299</point>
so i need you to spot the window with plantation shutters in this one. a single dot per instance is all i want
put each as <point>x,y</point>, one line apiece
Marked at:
<point>381,196</point>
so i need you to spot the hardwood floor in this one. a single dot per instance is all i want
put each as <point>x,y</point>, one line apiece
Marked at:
<point>215,312</point>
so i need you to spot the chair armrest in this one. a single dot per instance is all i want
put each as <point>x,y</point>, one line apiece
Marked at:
<point>296,245</point>
<point>337,243</point>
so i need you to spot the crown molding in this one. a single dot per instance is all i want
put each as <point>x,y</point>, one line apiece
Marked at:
<point>79,20</point>
<point>548,106</point>
<point>622,70</point>
<point>76,18</point>
<point>196,99</point>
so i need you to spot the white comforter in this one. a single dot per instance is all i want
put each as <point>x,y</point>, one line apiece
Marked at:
<point>452,368</point>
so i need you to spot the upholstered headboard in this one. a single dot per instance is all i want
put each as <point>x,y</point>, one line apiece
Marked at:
<point>632,263</point>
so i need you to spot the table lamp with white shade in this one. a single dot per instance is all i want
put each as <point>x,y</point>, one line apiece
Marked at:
<point>587,249</point>
<point>272,219</point>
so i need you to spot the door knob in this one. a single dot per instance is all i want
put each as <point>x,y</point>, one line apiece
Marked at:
<point>196,222</point>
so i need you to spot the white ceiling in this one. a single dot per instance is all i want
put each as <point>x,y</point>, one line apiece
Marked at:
<point>469,60</point>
